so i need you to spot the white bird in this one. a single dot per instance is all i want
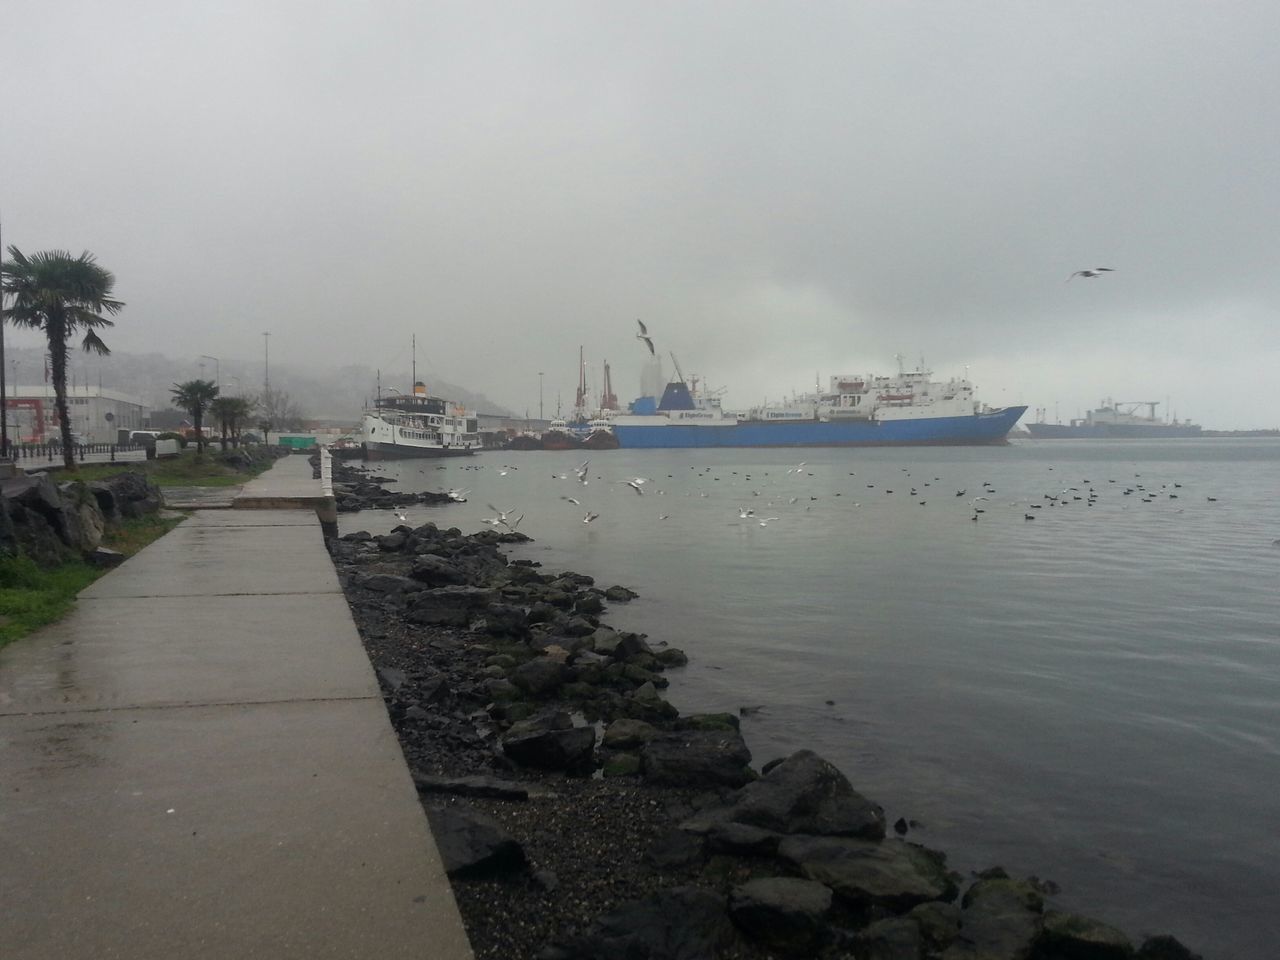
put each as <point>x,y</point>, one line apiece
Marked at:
<point>664,516</point>
<point>1090,274</point>
<point>574,500</point>
<point>643,335</point>
<point>491,521</point>
<point>590,516</point>
<point>513,524</point>
<point>744,513</point>
<point>401,517</point>
<point>502,514</point>
<point>458,496</point>
<point>581,472</point>
<point>765,522</point>
<point>634,486</point>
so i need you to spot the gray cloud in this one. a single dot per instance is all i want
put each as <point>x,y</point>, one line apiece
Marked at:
<point>777,189</point>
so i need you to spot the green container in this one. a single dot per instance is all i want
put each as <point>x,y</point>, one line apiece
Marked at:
<point>297,443</point>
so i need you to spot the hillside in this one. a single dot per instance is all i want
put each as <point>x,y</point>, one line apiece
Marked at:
<point>334,394</point>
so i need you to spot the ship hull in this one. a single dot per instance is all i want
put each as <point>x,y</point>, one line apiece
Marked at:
<point>1111,431</point>
<point>400,451</point>
<point>973,430</point>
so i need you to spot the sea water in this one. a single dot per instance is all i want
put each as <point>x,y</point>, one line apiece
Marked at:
<point>1091,696</point>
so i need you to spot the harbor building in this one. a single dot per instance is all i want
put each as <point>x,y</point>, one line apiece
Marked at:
<point>96,413</point>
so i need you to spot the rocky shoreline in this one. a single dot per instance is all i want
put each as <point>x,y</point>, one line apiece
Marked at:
<point>581,816</point>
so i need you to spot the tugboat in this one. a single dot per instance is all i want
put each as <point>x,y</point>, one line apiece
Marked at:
<point>559,437</point>
<point>601,436</point>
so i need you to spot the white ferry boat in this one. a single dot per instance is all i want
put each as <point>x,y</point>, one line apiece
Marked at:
<point>417,425</point>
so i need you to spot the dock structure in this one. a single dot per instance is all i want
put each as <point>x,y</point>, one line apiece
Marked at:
<point>197,761</point>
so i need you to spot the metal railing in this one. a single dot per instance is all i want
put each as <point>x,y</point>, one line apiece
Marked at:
<point>52,452</point>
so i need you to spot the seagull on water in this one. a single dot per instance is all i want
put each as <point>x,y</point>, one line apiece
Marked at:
<point>458,496</point>
<point>1091,273</point>
<point>574,500</point>
<point>644,336</point>
<point>744,513</point>
<point>401,517</point>
<point>590,516</point>
<point>765,521</point>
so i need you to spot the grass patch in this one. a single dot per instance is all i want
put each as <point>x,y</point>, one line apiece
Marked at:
<point>184,470</point>
<point>31,597</point>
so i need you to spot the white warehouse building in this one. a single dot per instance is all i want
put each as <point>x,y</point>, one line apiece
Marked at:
<point>96,414</point>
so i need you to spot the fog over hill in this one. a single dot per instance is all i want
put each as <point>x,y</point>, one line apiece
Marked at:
<point>335,394</point>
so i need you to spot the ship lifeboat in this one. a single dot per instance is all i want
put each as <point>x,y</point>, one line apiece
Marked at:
<point>896,397</point>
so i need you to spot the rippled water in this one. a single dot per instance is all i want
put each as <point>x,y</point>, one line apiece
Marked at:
<point>1092,696</point>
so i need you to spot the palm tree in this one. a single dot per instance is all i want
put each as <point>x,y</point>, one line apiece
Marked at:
<point>194,396</point>
<point>60,294</point>
<point>230,411</point>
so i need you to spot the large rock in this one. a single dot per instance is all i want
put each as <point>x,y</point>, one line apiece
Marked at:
<point>894,938</point>
<point>131,495</point>
<point>679,923</point>
<point>1165,947</point>
<point>539,677</point>
<point>473,786</point>
<point>625,733</point>
<point>806,794</point>
<point>504,620</point>
<point>1001,920</point>
<point>448,606</point>
<point>472,845</point>
<point>436,572</point>
<point>888,873</point>
<point>1069,936</point>
<point>784,913</point>
<point>551,742</point>
<point>697,758</point>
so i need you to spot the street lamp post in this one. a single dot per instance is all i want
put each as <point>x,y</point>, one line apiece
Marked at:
<point>217,367</point>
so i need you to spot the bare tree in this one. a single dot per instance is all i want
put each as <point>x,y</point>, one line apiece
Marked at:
<point>278,409</point>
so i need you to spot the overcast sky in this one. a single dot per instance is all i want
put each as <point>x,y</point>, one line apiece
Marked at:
<point>778,189</point>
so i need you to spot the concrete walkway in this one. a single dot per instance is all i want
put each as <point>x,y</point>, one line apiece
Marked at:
<point>197,763</point>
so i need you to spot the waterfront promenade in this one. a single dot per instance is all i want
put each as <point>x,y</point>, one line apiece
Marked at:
<point>197,761</point>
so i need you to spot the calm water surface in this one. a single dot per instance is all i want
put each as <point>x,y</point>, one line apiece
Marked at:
<point>1092,696</point>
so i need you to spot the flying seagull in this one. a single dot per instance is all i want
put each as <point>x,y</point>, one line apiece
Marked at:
<point>1090,274</point>
<point>644,335</point>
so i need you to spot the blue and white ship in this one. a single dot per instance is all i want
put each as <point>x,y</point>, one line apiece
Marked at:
<point>907,409</point>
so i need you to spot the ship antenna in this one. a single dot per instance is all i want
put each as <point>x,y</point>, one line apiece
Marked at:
<point>413,384</point>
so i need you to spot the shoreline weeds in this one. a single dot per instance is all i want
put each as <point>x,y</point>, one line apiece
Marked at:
<point>579,815</point>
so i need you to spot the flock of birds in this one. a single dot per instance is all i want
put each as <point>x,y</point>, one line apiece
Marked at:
<point>780,491</point>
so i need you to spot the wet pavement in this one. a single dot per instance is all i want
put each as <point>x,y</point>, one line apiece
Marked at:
<point>197,762</point>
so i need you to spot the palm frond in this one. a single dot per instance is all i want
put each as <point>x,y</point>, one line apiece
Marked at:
<point>92,342</point>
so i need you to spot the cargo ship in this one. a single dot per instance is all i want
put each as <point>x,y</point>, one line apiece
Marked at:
<point>1113,420</point>
<point>417,425</point>
<point>907,409</point>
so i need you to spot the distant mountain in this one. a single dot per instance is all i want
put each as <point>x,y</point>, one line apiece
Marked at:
<point>335,394</point>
